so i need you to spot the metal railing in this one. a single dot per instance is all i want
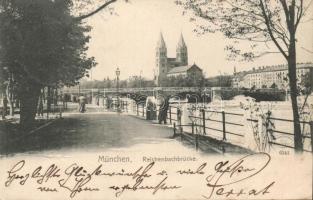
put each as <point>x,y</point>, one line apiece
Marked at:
<point>203,124</point>
<point>281,132</point>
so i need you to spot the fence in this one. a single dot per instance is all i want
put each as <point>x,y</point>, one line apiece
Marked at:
<point>204,122</point>
<point>304,137</point>
<point>56,110</point>
<point>220,125</point>
<point>201,125</point>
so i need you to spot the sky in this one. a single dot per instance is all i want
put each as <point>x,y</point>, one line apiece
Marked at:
<point>128,39</point>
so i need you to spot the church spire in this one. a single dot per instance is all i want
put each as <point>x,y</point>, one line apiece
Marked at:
<point>181,51</point>
<point>181,42</point>
<point>161,42</point>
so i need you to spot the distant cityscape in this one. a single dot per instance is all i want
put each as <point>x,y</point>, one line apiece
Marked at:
<point>275,76</point>
<point>177,72</point>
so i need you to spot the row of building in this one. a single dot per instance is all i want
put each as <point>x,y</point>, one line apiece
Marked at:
<point>270,76</point>
<point>275,76</point>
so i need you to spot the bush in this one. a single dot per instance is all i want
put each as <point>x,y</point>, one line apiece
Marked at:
<point>269,95</point>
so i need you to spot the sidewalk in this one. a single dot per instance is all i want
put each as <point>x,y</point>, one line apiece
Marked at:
<point>206,142</point>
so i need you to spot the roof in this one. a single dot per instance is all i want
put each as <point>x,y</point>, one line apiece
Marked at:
<point>277,68</point>
<point>182,69</point>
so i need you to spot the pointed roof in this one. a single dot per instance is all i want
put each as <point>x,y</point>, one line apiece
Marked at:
<point>161,42</point>
<point>181,42</point>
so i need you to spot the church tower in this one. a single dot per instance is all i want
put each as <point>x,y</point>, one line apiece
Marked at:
<point>161,61</point>
<point>181,51</point>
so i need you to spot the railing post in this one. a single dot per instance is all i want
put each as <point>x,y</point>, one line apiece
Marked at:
<point>60,109</point>
<point>181,135</point>
<point>174,129</point>
<point>137,108</point>
<point>192,127</point>
<point>203,119</point>
<point>143,110</point>
<point>197,141</point>
<point>224,125</point>
<point>170,109</point>
<point>311,127</point>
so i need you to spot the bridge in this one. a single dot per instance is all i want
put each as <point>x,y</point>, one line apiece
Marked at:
<point>204,92</point>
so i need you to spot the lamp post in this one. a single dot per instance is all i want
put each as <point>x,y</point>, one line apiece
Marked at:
<point>140,84</point>
<point>118,72</point>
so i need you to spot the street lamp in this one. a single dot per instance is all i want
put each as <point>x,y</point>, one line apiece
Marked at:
<point>140,85</point>
<point>118,72</point>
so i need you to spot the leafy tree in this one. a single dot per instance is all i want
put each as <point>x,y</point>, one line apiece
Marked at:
<point>219,81</point>
<point>274,86</point>
<point>258,22</point>
<point>41,45</point>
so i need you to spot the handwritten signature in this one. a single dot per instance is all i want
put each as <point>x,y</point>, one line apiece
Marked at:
<point>77,179</point>
<point>229,173</point>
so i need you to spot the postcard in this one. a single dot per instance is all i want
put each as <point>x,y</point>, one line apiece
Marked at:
<point>156,99</point>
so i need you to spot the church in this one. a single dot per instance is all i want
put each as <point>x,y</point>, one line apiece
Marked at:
<point>167,67</point>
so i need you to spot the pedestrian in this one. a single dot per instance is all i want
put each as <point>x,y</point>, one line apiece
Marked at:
<point>82,104</point>
<point>163,111</point>
<point>5,106</point>
<point>40,106</point>
<point>97,100</point>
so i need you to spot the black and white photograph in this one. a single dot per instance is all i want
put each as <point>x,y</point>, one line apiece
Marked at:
<point>156,99</point>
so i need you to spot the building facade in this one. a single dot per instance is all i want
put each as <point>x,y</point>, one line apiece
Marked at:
<point>189,70</point>
<point>270,76</point>
<point>166,67</point>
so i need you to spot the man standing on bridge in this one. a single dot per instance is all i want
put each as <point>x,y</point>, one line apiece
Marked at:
<point>163,110</point>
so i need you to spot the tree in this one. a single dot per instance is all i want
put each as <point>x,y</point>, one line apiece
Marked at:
<point>260,22</point>
<point>42,44</point>
<point>219,81</point>
<point>274,86</point>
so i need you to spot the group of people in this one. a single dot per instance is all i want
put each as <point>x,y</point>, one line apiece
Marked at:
<point>151,110</point>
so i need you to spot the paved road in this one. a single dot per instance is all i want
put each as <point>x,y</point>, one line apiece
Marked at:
<point>90,131</point>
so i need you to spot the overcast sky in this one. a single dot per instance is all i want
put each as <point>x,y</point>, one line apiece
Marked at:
<point>128,40</point>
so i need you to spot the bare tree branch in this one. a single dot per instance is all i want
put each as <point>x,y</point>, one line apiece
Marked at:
<point>307,50</point>
<point>103,6</point>
<point>270,29</point>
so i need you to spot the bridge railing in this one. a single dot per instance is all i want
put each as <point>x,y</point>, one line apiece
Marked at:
<point>225,126</point>
<point>218,125</point>
<point>134,90</point>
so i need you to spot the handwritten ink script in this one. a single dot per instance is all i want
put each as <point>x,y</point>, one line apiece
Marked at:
<point>219,179</point>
